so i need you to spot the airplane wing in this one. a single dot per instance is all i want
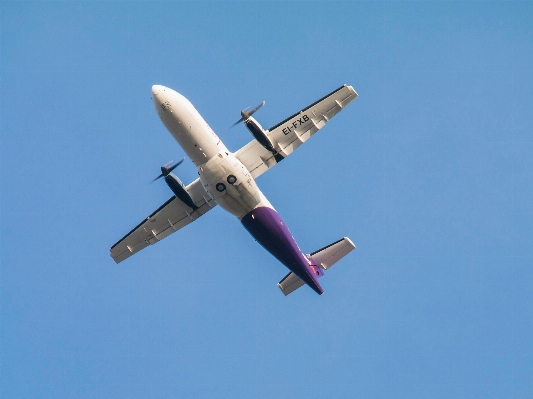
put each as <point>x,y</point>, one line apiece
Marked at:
<point>295,130</point>
<point>168,218</point>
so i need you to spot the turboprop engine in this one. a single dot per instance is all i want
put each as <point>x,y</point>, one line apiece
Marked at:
<point>257,131</point>
<point>175,184</point>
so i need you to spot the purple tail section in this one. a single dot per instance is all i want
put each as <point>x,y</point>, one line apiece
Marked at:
<point>267,227</point>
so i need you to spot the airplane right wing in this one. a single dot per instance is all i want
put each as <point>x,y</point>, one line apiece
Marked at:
<point>292,132</point>
<point>168,218</point>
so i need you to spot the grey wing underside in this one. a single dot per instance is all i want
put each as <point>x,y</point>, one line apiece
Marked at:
<point>295,130</point>
<point>168,218</point>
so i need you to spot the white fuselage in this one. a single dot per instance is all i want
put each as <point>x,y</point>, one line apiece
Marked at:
<point>223,176</point>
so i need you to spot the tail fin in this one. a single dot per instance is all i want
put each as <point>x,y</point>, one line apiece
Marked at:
<point>323,258</point>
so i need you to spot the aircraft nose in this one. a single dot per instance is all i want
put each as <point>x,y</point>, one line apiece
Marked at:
<point>156,89</point>
<point>158,96</point>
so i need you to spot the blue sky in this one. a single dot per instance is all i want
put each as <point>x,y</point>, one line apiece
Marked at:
<point>429,172</point>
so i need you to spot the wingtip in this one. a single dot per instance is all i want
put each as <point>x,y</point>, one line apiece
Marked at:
<point>115,259</point>
<point>350,241</point>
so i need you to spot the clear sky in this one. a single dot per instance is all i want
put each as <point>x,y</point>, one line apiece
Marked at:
<point>429,172</point>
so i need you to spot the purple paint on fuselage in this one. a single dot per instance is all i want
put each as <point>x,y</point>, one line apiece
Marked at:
<point>266,226</point>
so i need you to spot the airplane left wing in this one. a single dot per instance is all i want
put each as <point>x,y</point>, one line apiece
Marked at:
<point>168,218</point>
<point>295,130</point>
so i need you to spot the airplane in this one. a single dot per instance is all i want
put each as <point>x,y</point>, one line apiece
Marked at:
<point>228,179</point>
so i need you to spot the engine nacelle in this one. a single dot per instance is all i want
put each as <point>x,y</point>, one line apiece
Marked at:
<point>178,188</point>
<point>259,134</point>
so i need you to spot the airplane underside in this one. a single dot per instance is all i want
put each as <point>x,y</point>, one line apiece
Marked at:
<point>228,179</point>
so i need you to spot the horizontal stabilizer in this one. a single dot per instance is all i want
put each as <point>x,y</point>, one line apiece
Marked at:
<point>290,283</point>
<point>331,254</point>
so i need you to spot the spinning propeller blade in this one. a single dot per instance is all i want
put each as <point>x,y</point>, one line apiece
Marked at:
<point>246,114</point>
<point>256,108</point>
<point>165,170</point>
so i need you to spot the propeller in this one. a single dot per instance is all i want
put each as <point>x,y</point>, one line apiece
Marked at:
<point>165,170</point>
<point>246,114</point>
